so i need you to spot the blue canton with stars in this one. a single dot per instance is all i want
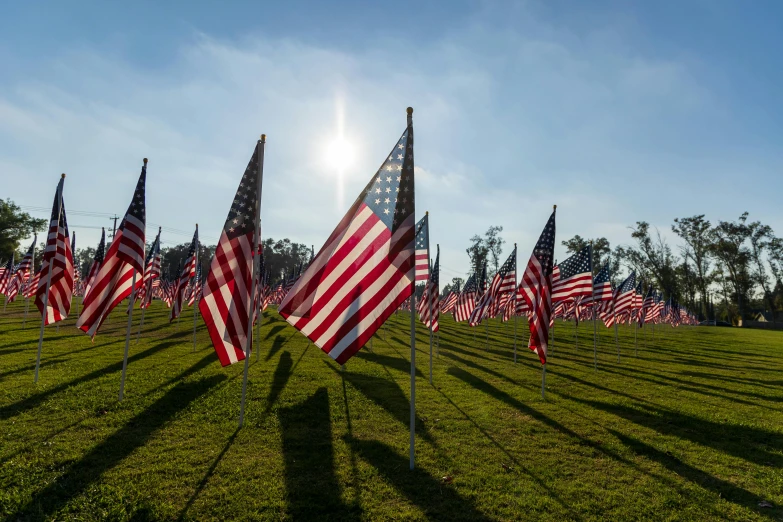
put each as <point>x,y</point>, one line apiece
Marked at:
<point>137,207</point>
<point>578,263</point>
<point>422,233</point>
<point>545,247</point>
<point>603,275</point>
<point>242,215</point>
<point>628,285</point>
<point>390,193</point>
<point>470,285</point>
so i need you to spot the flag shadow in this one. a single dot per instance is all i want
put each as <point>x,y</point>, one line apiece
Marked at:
<point>312,488</point>
<point>279,380</point>
<point>113,450</point>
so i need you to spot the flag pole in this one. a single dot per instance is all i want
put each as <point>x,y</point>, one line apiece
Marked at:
<point>515,302</point>
<point>427,214</point>
<point>249,342</point>
<point>141,323</point>
<point>48,278</point>
<point>128,331</point>
<point>26,308</point>
<point>409,110</point>
<point>543,380</point>
<point>616,342</point>
<point>592,294</point>
<point>195,301</point>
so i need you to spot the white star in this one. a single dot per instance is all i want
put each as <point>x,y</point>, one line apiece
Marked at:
<point>377,201</point>
<point>397,189</point>
<point>231,229</point>
<point>388,189</point>
<point>388,179</point>
<point>399,156</point>
<point>378,179</point>
<point>398,179</point>
<point>388,167</point>
<point>378,190</point>
<point>400,146</point>
<point>386,211</point>
<point>236,221</point>
<point>386,201</point>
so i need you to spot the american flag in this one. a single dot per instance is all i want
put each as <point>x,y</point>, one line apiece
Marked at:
<point>536,287</point>
<point>31,288</point>
<point>423,249</point>
<point>654,313</point>
<point>647,304</point>
<point>448,302</point>
<point>7,274</point>
<point>602,286</point>
<point>124,259</point>
<point>195,293</point>
<point>56,265</point>
<point>624,296</point>
<point>431,313</point>
<point>366,268</point>
<point>503,282</point>
<point>97,261</point>
<point>573,277</point>
<point>227,295</point>
<point>187,273</point>
<point>21,274</point>
<point>151,273</point>
<point>467,300</point>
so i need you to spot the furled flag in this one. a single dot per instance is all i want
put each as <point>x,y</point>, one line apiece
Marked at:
<point>56,266</point>
<point>573,277</point>
<point>22,273</point>
<point>423,248</point>
<point>195,294</point>
<point>536,289</point>
<point>151,273</point>
<point>188,272</point>
<point>366,268</point>
<point>431,313</point>
<point>467,300</point>
<point>122,264</point>
<point>504,281</point>
<point>97,260</point>
<point>624,296</point>
<point>647,304</point>
<point>227,295</point>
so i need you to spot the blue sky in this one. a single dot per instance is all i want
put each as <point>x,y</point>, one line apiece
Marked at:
<point>616,111</point>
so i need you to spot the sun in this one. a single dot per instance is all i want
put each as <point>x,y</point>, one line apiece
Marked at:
<point>339,154</point>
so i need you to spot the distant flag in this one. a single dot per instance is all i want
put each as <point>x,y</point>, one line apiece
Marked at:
<point>536,289</point>
<point>195,294</point>
<point>602,286</point>
<point>151,273</point>
<point>56,266</point>
<point>624,296</point>
<point>22,273</point>
<point>423,249</point>
<point>450,300</point>
<point>97,260</point>
<point>573,277</point>
<point>505,279</point>
<point>467,300</point>
<point>431,313</point>
<point>123,260</point>
<point>188,272</point>
<point>227,293</point>
<point>647,304</point>
<point>7,274</point>
<point>366,268</point>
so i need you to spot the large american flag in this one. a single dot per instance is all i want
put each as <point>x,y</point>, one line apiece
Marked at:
<point>423,249</point>
<point>57,264</point>
<point>573,277</point>
<point>624,296</point>
<point>536,289</point>
<point>467,300</point>
<point>227,295</point>
<point>366,268</point>
<point>125,257</point>
<point>151,273</point>
<point>430,314</point>
<point>187,273</point>
<point>21,274</point>
<point>97,260</point>
<point>503,282</point>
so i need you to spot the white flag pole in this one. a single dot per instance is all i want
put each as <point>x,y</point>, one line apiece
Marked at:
<point>48,278</point>
<point>128,331</point>
<point>413,349</point>
<point>195,301</point>
<point>429,282</point>
<point>257,240</point>
<point>516,266</point>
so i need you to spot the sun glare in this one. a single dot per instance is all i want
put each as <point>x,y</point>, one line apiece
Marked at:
<point>339,154</point>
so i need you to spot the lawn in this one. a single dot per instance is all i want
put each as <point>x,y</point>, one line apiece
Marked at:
<point>690,428</point>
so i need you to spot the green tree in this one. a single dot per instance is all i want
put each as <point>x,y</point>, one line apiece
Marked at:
<point>602,252</point>
<point>477,252</point>
<point>15,225</point>
<point>494,244</point>
<point>730,248</point>
<point>695,232</point>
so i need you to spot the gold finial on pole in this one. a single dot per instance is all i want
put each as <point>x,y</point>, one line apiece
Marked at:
<point>159,229</point>
<point>263,138</point>
<point>62,175</point>
<point>145,160</point>
<point>409,110</point>
<point>426,212</point>
<point>554,208</point>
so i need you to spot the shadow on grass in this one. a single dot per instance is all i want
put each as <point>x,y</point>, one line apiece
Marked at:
<point>436,500</point>
<point>312,489</point>
<point>724,489</point>
<point>387,361</point>
<point>272,331</point>
<point>113,450</point>
<point>751,444</point>
<point>279,380</point>
<point>35,400</point>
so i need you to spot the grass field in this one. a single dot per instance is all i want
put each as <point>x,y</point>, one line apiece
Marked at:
<point>691,428</point>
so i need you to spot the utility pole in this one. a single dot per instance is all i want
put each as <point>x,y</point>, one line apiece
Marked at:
<point>114,228</point>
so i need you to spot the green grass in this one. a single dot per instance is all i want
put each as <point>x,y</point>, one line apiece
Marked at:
<point>689,429</point>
